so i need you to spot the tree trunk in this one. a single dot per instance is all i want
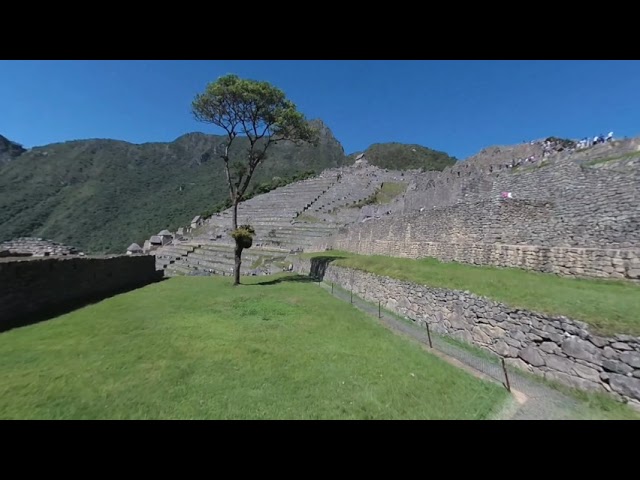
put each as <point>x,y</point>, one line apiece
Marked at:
<point>235,213</point>
<point>236,271</point>
<point>238,249</point>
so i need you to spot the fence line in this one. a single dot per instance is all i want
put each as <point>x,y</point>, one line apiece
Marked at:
<point>483,361</point>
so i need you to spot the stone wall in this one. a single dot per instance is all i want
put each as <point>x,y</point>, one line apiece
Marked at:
<point>555,347</point>
<point>556,206</point>
<point>37,247</point>
<point>561,202</point>
<point>589,207</point>
<point>562,175</point>
<point>570,262</point>
<point>35,289</point>
<point>563,218</point>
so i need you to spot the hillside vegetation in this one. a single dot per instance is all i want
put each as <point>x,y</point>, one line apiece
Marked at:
<point>101,195</point>
<point>9,150</point>
<point>198,348</point>
<point>400,156</point>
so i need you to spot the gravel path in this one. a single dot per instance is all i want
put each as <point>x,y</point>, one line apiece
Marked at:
<point>531,400</point>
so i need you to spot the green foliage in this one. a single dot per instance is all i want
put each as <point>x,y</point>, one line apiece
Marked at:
<point>102,195</point>
<point>400,156</point>
<point>387,192</point>
<point>257,111</point>
<point>609,306</point>
<point>276,182</point>
<point>253,108</point>
<point>370,200</point>
<point>625,156</point>
<point>243,235</point>
<point>197,348</point>
<point>221,206</point>
<point>529,168</point>
<point>306,218</point>
<point>9,150</point>
<point>562,142</point>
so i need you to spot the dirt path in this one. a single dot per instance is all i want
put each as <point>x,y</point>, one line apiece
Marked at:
<point>529,400</point>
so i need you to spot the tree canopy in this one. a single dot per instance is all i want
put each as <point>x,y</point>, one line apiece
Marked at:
<point>254,109</point>
<point>260,112</point>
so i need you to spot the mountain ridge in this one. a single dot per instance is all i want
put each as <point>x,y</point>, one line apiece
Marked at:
<point>9,150</point>
<point>101,194</point>
<point>404,156</point>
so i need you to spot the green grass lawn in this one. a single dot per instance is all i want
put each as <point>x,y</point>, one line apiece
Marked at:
<point>389,191</point>
<point>625,156</point>
<point>609,306</point>
<point>588,405</point>
<point>308,218</point>
<point>198,348</point>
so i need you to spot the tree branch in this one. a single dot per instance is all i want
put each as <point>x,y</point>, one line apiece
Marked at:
<point>225,157</point>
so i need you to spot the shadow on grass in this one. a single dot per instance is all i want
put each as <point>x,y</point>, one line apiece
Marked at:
<point>291,278</point>
<point>318,269</point>
<point>53,310</point>
<point>319,266</point>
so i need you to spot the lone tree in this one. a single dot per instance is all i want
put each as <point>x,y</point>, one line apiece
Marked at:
<point>261,113</point>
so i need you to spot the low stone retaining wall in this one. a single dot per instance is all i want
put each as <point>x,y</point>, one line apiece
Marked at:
<point>38,288</point>
<point>565,261</point>
<point>555,347</point>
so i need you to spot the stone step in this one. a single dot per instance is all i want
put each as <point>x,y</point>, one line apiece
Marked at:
<point>306,193</point>
<point>294,235</point>
<point>309,227</point>
<point>292,241</point>
<point>174,270</point>
<point>250,253</point>
<point>293,229</point>
<point>213,265</point>
<point>164,255</point>
<point>288,196</point>
<point>263,221</point>
<point>219,267</point>
<point>265,206</point>
<point>173,249</point>
<point>230,258</point>
<point>293,244</point>
<point>253,250</point>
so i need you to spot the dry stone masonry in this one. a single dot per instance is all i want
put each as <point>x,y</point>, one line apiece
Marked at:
<point>564,216</point>
<point>296,217</point>
<point>572,213</point>
<point>37,247</point>
<point>34,286</point>
<point>556,347</point>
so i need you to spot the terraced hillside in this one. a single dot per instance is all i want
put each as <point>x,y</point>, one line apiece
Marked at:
<point>218,259</point>
<point>299,216</point>
<point>482,177</point>
<point>307,215</point>
<point>102,195</point>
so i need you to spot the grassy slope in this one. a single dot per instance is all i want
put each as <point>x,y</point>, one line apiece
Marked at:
<point>199,348</point>
<point>389,191</point>
<point>102,195</point>
<point>383,195</point>
<point>400,156</point>
<point>626,156</point>
<point>589,405</point>
<point>609,306</point>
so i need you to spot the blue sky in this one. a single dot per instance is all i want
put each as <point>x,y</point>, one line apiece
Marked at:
<point>455,106</point>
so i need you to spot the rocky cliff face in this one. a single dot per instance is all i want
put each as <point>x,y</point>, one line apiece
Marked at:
<point>9,150</point>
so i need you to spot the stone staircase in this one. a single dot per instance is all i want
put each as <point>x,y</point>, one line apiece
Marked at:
<point>299,216</point>
<point>218,259</point>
